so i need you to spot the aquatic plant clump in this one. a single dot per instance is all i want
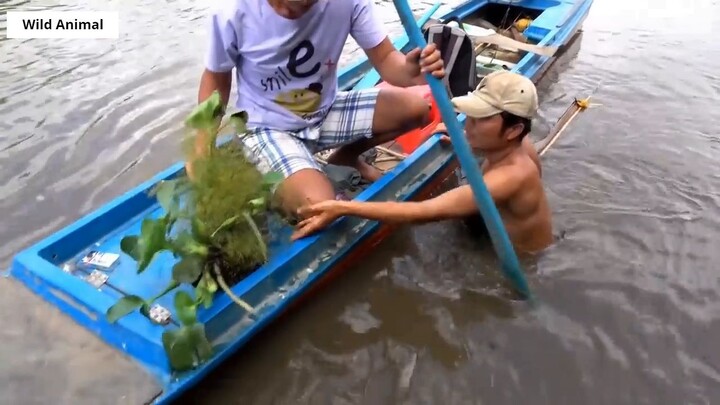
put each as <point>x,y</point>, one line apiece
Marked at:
<point>228,186</point>
<point>212,225</point>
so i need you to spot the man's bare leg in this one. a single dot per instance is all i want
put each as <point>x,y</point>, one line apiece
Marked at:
<point>306,186</point>
<point>396,112</point>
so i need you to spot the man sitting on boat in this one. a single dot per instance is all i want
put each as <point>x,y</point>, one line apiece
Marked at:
<point>285,53</point>
<point>499,115</point>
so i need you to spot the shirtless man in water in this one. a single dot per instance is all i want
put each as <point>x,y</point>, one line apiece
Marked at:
<point>499,114</point>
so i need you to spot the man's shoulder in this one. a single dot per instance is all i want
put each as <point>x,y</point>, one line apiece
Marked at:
<point>514,167</point>
<point>529,148</point>
<point>522,164</point>
<point>525,171</point>
<point>515,173</point>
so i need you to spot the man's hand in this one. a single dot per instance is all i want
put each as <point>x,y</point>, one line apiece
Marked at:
<point>209,82</point>
<point>317,217</point>
<point>442,129</point>
<point>427,61</point>
<point>189,170</point>
<point>200,150</point>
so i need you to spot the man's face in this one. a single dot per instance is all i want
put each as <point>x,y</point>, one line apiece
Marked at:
<point>292,9</point>
<point>487,134</point>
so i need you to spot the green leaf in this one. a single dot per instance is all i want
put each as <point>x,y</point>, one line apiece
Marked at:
<point>165,194</point>
<point>205,290</point>
<point>239,120</point>
<point>211,284</point>
<point>152,241</point>
<point>257,202</point>
<point>205,114</point>
<point>171,286</point>
<point>205,297</point>
<point>182,345</point>
<point>185,308</point>
<point>129,245</point>
<point>186,245</point>
<point>199,230</point>
<point>272,178</point>
<point>179,348</point>
<point>181,242</point>
<point>124,306</point>
<point>226,224</point>
<point>188,269</point>
<point>257,205</point>
<point>200,342</point>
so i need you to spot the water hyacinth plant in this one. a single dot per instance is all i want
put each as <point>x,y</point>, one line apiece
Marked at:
<point>212,226</point>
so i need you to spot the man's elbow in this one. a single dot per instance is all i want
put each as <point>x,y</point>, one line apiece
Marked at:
<point>391,69</point>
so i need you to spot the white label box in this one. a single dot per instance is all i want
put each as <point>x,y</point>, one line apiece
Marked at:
<point>63,24</point>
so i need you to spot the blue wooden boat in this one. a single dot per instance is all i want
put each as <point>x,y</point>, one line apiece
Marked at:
<point>294,269</point>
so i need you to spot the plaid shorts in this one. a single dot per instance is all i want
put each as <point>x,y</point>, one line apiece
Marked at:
<point>349,118</point>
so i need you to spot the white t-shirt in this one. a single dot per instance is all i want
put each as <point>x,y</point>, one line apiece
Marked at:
<point>286,70</point>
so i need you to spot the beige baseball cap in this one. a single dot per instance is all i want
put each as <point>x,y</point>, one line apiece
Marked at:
<point>500,91</point>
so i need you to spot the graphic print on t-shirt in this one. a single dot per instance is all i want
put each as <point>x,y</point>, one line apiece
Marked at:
<point>286,70</point>
<point>303,102</point>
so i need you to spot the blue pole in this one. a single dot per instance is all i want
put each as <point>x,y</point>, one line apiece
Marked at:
<point>373,77</point>
<point>501,242</point>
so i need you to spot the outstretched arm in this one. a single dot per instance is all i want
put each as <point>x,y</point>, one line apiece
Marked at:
<point>502,183</point>
<point>456,203</point>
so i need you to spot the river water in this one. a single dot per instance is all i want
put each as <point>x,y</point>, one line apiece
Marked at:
<point>629,304</point>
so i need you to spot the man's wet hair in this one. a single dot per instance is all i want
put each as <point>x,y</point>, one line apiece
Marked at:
<point>510,119</point>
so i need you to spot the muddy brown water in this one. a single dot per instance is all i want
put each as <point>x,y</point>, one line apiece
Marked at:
<point>629,305</point>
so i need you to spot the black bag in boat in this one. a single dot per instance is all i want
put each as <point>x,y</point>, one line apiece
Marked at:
<point>458,53</point>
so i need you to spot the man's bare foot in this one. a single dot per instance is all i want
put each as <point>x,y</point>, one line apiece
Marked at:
<point>368,171</point>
